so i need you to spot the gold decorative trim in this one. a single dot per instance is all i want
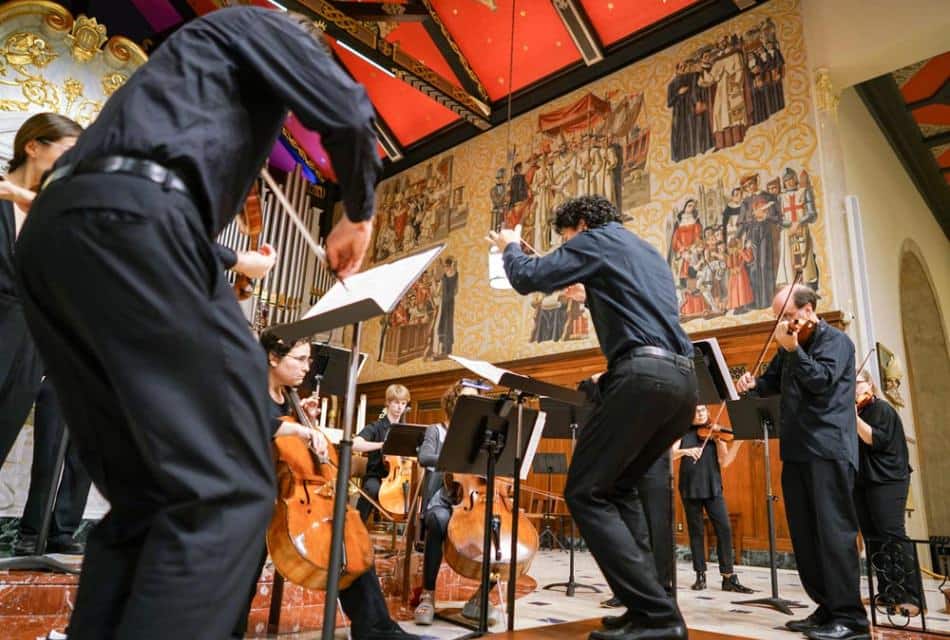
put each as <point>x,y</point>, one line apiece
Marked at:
<point>455,48</point>
<point>826,100</point>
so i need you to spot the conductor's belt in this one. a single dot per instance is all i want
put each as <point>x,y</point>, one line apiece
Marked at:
<point>659,354</point>
<point>148,169</point>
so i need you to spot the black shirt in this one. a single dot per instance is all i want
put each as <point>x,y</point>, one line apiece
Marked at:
<point>817,386</point>
<point>278,410</point>
<point>629,287</point>
<point>886,458</point>
<point>701,478</point>
<point>211,101</point>
<point>376,432</point>
<point>7,240</point>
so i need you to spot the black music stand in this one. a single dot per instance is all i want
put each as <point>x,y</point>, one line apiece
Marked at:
<point>758,419</point>
<point>403,440</point>
<point>562,422</point>
<point>327,373</point>
<point>39,560</point>
<point>549,464</point>
<point>366,295</point>
<point>477,442</point>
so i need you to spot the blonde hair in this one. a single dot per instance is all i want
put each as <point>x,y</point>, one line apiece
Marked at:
<point>397,392</point>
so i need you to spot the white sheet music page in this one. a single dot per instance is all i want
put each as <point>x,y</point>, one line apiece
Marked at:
<point>481,368</point>
<point>721,365</point>
<point>533,445</point>
<point>385,284</point>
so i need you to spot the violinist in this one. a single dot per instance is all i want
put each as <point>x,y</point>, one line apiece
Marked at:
<point>819,451</point>
<point>437,509</point>
<point>371,439</point>
<point>880,491</point>
<point>363,601</point>
<point>700,486</point>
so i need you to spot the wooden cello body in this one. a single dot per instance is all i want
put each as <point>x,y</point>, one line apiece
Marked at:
<point>396,487</point>
<point>301,529</point>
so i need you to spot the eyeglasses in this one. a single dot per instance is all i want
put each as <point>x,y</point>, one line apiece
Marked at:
<point>307,360</point>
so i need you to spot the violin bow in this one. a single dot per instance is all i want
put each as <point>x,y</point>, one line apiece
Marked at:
<point>758,361</point>
<point>318,251</point>
<point>865,361</point>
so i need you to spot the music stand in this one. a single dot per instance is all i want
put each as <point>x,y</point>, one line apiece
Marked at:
<point>562,422</point>
<point>478,442</point>
<point>549,463</point>
<point>327,374</point>
<point>366,295</point>
<point>758,419</point>
<point>403,440</point>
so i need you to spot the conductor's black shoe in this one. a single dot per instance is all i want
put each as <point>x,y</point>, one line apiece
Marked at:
<point>838,631</point>
<point>611,603</point>
<point>24,546</point>
<point>700,583</point>
<point>391,631</point>
<point>615,622</point>
<point>806,624</point>
<point>65,545</point>
<point>732,584</point>
<point>636,631</point>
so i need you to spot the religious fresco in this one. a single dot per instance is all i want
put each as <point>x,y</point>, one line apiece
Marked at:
<point>721,178</point>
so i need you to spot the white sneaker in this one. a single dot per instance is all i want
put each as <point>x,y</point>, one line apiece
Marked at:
<point>53,635</point>
<point>425,612</point>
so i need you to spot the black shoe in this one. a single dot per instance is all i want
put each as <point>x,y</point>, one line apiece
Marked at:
<point>700,583</point>
<point>634,631</point>
<point>805,625</point>
<point>615,622</point>
<point>24,546</point>
<point>732,584</point>
<point>838,631</point>
<point>611,603</point>
<point>65,545</point>
<point>390,631</point>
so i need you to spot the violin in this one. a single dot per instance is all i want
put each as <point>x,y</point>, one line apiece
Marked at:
<point>251,223</point>
<point>864,400</point>
<point>301,529</point>
<point>465,536</point>
<point>716,432</point>
<point>803,328</point>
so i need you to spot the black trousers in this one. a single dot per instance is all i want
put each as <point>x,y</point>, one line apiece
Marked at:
<point>646,512</point>
<point>73,490</point>
<point>715,507</point>
<point>163,387</point>
<point>371,485</point>
<point>437,524</point>
<point>824,531</point>
<point>645,405</point>
<point>880,508</point>
<point>21,371</point>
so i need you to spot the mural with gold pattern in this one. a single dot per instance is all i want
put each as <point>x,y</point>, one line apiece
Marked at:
<point>709,149</point>
<point>51,60</point>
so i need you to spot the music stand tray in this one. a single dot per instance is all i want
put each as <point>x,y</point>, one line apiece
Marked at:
<point>404,440</point>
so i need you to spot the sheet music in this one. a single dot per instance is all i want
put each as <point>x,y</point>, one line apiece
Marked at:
<point>533,445</point>
<point>385,284</point>
<point>481,368</point>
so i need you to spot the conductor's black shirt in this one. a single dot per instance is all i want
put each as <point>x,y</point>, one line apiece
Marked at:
<point>211,101</point>
<point>816,382</point>
<point>699,479</point>
<point>629,287</point>
<point>886,458</point>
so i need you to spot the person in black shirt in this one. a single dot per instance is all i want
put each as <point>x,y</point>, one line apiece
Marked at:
<point>370,440</point>
<point>38,143</point>
<point>647,394</point>
<point>158,376</point>
<point>363,601</point>
<point>819,451</point>
<point>880,493</point>
<point>700,488</point>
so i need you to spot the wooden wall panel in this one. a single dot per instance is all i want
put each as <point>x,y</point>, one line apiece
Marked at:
<point>743,481</point>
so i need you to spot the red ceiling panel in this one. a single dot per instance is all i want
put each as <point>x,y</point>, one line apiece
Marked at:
<point>616,19</point>
<point>412,38</point>
<point>932,114</point>
<point>410,114</point>
<point>542,43</point>
<point>928,80</point>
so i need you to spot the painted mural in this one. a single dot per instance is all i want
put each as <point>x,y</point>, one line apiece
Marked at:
<point>708,149</point>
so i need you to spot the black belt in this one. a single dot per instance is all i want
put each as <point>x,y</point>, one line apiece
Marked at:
<point>659,354</point>
<point>140,167</point>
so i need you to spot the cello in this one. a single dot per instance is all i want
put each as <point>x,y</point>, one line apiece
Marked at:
<point>301,529</point>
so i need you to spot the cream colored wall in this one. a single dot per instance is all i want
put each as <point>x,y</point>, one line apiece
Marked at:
<point>892,212</point>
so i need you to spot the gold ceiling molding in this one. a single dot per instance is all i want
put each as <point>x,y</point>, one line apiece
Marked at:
<point>51,60</point>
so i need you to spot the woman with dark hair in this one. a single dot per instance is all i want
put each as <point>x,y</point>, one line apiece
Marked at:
<point>38,143</point>
<point>363,601</point>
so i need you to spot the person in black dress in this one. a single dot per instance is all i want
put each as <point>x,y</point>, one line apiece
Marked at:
<point>159,379</point>
<point>819,451</point>
<point>38,143</point>
<point>363,601</point>
<point>700,486</point>
<point>647,394</point>
<point>880,495</point>
<point>370,440</point>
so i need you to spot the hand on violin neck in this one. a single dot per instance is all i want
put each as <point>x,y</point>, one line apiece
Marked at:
<point>785,338</point>
<point>256,264</point>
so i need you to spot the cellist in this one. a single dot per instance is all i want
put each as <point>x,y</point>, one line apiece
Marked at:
<point>363,601</point>
<point>370,440</point>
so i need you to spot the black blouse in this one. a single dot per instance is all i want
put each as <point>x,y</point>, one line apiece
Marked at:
<point>702,478</point>
<point>886,458</point>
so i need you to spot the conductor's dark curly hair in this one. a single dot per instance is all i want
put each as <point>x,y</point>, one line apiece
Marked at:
<point>596,211</point>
